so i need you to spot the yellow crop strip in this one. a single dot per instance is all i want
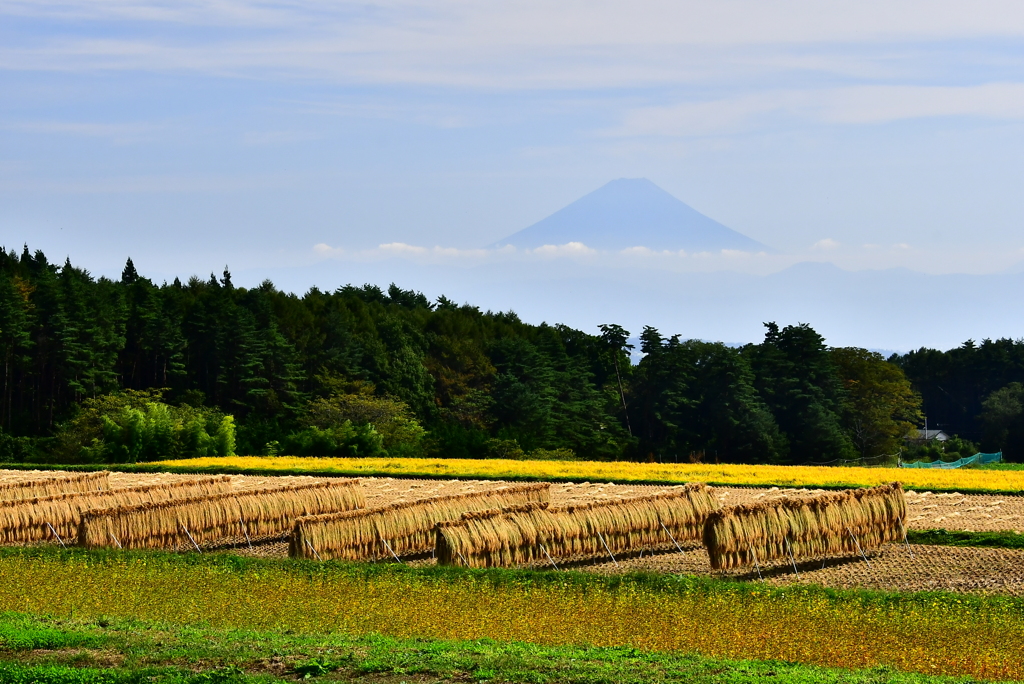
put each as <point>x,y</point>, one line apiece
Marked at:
<point>620,471</point>
<point>743,621</point>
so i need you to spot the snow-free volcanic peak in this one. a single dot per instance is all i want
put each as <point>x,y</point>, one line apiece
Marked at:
<point>632,212</point>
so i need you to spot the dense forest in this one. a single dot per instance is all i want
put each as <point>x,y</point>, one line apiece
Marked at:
<point>97,370</point>
<point>974,391</point>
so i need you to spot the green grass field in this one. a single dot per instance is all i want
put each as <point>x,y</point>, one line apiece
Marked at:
<point>115,651</point>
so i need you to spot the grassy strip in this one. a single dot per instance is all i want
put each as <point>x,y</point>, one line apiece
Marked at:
<point>995,540</point>
<point>46,650</point>
<point>651,613</point>
<point>497,579</point>
<point>826,478</point>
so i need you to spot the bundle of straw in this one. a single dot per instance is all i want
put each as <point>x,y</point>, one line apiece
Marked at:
<point>497,538</point>
<point>24,521</point>
<point>829,524</point>
<point>50,486</point>
<point>400,528</point>
<point>253,513</point>
<point>516,536</point>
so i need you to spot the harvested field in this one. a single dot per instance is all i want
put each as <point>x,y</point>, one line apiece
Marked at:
<point>398,528</point>
<point>502,538</point>
<point>974,570</point>
<point>833,524</point>
<point>925,510</point>
<point>51,485</point>
<point>893,568</point>
<point>931,568</point>
<point>205,519</point>
<point>58,516</point>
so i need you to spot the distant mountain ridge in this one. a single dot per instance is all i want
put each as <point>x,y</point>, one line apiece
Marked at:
<point>632,212</point>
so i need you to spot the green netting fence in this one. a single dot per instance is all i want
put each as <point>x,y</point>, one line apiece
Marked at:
<point>976,458</point>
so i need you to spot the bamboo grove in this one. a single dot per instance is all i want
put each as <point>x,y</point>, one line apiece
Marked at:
<point>231,369</point>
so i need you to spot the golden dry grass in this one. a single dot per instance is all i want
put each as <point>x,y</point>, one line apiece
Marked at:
<point>400,528</point>
<point>64,483</point>
<point>518,536</point>
<point>255,513</point>
<point>827,524</point>
<point>32,520</point>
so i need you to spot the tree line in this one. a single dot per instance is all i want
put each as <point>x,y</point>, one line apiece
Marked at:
<point>975,391</point>
<point>96,369</point>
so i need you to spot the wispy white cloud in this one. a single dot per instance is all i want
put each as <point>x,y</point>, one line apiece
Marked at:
<point>524,44</point>
<point>569,249</point>
<point>848,105</point>
<point>854,258</point>
<point>575,252</point>
<point>578,22</point>
<point>324,250</point>
<point>641,251</point>
<point>120,133</point>
<point>287,137</point>
<point>197,184</point>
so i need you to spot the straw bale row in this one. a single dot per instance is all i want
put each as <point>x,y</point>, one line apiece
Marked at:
<point>24,521</point>
<point>828,524</point>
<point>50,486</point>
<point>256,513</point>
<point>406,527</point>
<point>534,533</point>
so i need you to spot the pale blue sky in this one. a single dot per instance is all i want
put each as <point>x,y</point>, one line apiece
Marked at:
<point>193,134</point>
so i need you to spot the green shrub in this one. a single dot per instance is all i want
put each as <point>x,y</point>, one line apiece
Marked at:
<point>343,440</point>
<point>134,426</point>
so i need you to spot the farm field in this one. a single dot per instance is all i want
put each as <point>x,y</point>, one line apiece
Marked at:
<point>831,612</point>
<point>111,651</point>
<point>749,475</point>
<point>927,510</point>
<point>917,567</point>
<point>893,567</point>
<point>652,613</point>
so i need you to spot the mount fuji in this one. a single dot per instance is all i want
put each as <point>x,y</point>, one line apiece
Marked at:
<point>632,212</point>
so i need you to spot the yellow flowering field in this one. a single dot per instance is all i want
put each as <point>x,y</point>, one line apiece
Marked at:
<point>928,633</point>
<point>621,471</point>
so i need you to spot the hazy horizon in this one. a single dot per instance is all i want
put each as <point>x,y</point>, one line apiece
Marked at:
<point>343,142</point>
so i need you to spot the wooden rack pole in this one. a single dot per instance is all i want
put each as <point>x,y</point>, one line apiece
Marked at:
<point>191,539</point>
<point>56,535</point>
<point>599,536</point>
<point>313,550</point>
